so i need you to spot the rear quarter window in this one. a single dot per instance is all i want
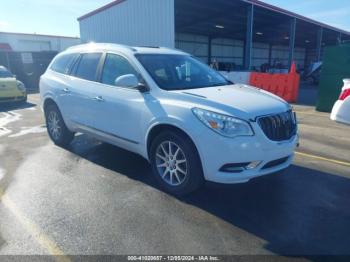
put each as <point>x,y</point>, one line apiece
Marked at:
<point>63,63</point>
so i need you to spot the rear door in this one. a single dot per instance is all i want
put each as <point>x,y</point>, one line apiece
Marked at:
<point>81,92</point>
<point>61,83</point>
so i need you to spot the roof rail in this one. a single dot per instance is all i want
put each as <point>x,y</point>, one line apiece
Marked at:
<point>101,44</point>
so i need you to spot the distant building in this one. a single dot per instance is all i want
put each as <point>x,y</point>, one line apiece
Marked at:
<point>28,55</point>
<point>20,42</point>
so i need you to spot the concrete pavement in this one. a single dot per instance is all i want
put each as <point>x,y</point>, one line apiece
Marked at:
<point>97,199</point>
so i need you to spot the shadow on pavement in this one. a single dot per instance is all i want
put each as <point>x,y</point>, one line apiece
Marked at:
<point>301,211</point>
<point>15,106</point>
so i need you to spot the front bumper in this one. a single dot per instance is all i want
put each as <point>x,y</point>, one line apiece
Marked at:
<point>217,151</point>
<point>13,99</point>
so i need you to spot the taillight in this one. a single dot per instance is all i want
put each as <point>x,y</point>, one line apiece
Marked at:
<point>344,94</point>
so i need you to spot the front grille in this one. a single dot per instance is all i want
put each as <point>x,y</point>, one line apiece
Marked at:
<point>279,127</point>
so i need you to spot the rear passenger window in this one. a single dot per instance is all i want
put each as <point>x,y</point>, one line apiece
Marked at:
<point>63,63</point>
<point>116,66</point>
<point>87,67</point>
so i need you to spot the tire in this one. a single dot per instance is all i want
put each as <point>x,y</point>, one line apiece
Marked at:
<point>24,101</point>
<point>58,132</point>
<point>181,178</point>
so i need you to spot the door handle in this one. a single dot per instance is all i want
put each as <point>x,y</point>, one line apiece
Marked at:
<point>98,99</point>
<point>66,90</point>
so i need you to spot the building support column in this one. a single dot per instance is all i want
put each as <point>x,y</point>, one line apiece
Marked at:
<point>306,58</point>
<point>340,38</point>
<point>209,49</point>
<point>293,25</point>
<point>270,54</point>
<point>8,60</point>
<point>319,44</point>
<point>249,38</point>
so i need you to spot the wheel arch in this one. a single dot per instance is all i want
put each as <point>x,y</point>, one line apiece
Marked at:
<point>159,128</point>
<point>48,101</point>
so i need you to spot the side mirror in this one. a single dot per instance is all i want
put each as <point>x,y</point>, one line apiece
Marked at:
<point>130,81</point>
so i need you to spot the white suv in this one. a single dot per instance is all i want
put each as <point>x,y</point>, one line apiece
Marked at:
<point>186,119</point>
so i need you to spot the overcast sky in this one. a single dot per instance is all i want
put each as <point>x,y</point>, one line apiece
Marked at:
<point>59,17</point>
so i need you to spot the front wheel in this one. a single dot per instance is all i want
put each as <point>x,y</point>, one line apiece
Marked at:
<point>56,127</point>
<point>176,164</point>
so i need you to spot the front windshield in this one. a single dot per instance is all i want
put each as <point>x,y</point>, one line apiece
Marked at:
<point>178,72</point>
<point>5,73</point>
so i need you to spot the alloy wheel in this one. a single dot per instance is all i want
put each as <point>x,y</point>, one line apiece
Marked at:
<point>54,126</point>
<point>171,163</point>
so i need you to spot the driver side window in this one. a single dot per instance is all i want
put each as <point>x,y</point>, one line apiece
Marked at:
<point>114,67</point>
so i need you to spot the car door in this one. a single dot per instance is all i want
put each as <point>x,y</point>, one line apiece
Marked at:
<point>118,110</point>
<point>82,83</point>
<point>61,82</point>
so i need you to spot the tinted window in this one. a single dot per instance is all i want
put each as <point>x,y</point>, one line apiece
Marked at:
<point>87,67</point>
<point>114,67</point>
<point>63,63</point>
<point>173,72</point>
<point>4,73</point>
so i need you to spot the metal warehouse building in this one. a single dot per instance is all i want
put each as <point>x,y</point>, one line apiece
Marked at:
<point>242,33</point>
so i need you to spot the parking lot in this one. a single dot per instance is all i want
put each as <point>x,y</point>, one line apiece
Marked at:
<point>93,198</point>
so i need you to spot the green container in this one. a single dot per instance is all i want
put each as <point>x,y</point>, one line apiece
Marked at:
<point>336,67</point>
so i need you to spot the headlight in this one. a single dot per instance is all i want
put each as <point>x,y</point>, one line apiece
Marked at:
<point>224,125</point>
<point>21,86</point>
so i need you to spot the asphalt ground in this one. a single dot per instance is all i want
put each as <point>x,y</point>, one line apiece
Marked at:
<point>97,199</point>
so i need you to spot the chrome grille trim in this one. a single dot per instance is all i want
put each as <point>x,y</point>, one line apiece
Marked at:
<point>279,127</point>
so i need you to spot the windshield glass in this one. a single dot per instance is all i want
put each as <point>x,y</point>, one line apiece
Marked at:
<point>5,73</point>
<point>178,72</point>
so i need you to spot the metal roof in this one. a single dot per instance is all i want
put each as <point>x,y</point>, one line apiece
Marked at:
<point>292,14</point>
<point>254,2</point>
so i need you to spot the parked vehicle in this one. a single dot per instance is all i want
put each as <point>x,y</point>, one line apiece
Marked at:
<point>11,89</point>
<point>186,119</point>
<point>341,109</point>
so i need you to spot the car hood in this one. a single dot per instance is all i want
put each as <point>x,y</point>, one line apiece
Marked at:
<point>240,99</point>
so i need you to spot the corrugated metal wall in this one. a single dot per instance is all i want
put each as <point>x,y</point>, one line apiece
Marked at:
<point>228,50</point>
<point>194,44</point>
<point>232,51</point>
<point>133,22</point>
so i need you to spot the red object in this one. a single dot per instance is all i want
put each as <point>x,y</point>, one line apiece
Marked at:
<point>344,94</point>
<point>285,86</point>
<point>5,47</point>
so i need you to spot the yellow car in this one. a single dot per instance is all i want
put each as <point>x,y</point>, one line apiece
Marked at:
<point>11,89</point>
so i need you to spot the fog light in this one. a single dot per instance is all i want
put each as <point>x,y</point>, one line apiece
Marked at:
<point>253,165</point>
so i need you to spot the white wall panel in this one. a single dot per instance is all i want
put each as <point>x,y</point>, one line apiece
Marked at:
<point>132,22</point>
<point>37,43</point>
